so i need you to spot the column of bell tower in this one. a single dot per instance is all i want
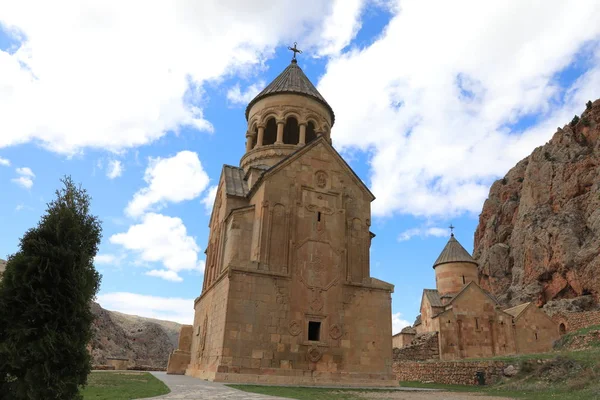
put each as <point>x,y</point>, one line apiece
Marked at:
<point>288,114</point>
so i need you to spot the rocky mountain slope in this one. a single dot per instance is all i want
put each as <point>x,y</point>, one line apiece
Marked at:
<point>144,341</point>
<point>538,236</point>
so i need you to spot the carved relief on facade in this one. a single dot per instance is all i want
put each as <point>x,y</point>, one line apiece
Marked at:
<point>318,264</point>
<point>335,331</point>
<point>314,354</point>
<point>295,328</point>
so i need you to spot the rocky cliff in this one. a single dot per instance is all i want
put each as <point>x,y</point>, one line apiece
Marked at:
<point>144,341</point>
<point>538,236</point>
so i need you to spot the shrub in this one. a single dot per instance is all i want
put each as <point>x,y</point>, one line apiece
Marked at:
<point>574,121</point>
<point>588,105</point>
<point>45,298</point>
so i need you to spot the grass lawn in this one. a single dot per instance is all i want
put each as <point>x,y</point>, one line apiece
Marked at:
<point>125,385</point>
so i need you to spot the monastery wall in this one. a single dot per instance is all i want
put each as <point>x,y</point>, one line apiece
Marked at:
<point>448,373</point>
<point>576,320</point>
<point>426,346</point>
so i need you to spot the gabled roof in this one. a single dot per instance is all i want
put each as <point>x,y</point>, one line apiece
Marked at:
<point>464,289</point>
<point>321,140</point>
<point>235,185</point>
<point>292,80</point>
<point>417,320</point>
<point>517,310</point>
<point>434,297</point>
<point>453,252</point>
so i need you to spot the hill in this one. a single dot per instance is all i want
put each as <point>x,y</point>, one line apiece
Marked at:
<point>539,230</point>
<point>145,341</point>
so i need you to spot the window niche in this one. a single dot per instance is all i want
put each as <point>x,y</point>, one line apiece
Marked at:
<point>314,331</point>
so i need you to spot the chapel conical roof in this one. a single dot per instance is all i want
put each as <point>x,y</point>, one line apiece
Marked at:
<point>292,80</point>
<point>454,252</point>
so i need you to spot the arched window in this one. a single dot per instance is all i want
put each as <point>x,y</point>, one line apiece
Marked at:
<point>270,135</point>
<point>291,132</point>
<point>310,132</point>
<point>562,329</point>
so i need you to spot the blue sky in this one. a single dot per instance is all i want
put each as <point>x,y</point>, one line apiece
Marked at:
<point>430,108</point>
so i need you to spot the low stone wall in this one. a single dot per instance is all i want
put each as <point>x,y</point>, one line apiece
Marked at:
<point>425,346</point>
<point>448,372</point>
<point>103,367</point>
<point>577,320</point>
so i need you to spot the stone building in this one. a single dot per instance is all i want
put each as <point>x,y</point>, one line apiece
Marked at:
<point>469,321</point>
<point>287,294</point>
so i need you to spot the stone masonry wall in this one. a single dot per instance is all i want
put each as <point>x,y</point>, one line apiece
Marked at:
<point>424,347</point>
<point>448,372</point>
<point>577,320</point>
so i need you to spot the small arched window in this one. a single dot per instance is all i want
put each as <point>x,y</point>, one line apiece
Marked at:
<point>291,132</point>
<point>562,329</point>
<point>310,132</point>
<point>270,135</point>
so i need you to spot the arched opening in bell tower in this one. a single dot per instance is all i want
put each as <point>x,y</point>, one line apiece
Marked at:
<point>270,135</point>
<point>291,132</point>
<point>310,132</point>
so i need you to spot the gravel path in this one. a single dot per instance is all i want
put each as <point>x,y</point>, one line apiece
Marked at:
<point>188,388</point>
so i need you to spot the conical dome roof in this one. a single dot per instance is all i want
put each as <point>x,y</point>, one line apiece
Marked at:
<point>292,80</point>
<point>454,252</point>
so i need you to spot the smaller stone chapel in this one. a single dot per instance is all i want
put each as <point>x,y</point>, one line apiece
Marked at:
<point>459,319</point>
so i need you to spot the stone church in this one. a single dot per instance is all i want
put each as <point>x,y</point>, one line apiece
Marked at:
<point>287,294</point>
<point>459,319</point>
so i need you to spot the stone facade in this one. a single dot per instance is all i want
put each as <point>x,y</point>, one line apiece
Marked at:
<point>180,358</point>
<point>470,322</point>
<point>287,294</point>
<point>449,373</point>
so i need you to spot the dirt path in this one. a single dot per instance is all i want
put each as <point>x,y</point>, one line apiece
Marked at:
<point>428,396</point>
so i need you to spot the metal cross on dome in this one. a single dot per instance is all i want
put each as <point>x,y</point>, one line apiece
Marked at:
<point>451,229</point>
<point>295,50</point>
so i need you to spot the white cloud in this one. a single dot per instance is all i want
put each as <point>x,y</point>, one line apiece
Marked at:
<point>209,199</point>
<point>443,88</point>
<point>236,96</point>
<point>341,26</point>
<point>398,323</point>
<point>107,258</point>
<point>165,274</point>
<point>422,232</point>
<point>174,179</point>
<point>114,169</point>
<point>163,239</point>
<point>4,162</point>
<point>85,75</point>
<point>165,308</point>
<point>25,171</point>
<point>26,177</point>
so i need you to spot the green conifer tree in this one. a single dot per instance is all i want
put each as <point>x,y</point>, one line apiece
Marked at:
<point>45,296</point>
